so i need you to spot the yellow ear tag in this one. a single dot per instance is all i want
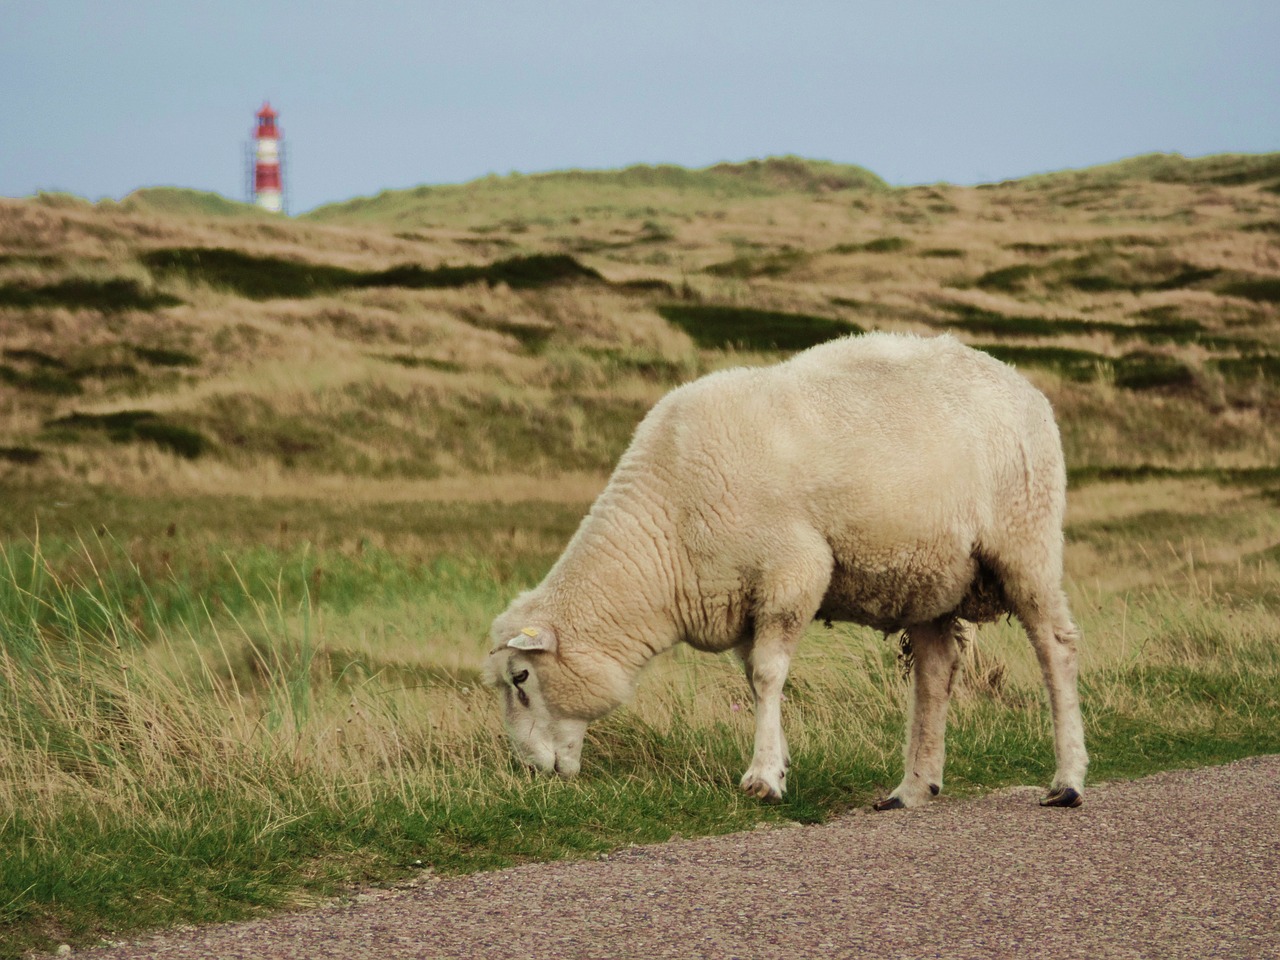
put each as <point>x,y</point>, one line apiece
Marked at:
<point>529,632</point>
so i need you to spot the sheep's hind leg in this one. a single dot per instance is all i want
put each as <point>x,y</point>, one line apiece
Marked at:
<point>1054,635</point>
<point>935,649</point>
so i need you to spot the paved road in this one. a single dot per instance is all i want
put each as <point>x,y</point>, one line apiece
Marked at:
<point>1182,864</point>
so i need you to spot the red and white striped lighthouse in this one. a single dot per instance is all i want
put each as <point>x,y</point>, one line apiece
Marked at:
<point>268,188</point>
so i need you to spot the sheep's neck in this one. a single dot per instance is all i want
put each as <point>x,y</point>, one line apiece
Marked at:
<point>616,581</point>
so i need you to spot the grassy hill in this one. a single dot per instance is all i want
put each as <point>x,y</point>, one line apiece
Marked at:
<point>475,344</point>
<point>267,480</point>
<point>569,197</point>
<point>184,202</point>
<point>1220,169</point>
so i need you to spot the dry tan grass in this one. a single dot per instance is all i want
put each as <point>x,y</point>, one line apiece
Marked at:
<point>329,354</point>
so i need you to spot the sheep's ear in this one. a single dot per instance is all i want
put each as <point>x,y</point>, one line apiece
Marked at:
<point>534,638</point>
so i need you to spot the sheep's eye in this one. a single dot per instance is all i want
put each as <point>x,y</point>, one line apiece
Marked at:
<point>520,677</point>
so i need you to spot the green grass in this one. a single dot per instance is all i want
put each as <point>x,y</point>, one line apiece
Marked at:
<point>720,327</point>
<point>247,706</point>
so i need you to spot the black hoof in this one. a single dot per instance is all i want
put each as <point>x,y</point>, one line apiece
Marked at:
<point>1063,797</point>
<point>889,803</point>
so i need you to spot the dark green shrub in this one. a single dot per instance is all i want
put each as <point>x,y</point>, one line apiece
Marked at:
<point>44,261</point>
<point>24,456</point>
<point>719,327</point>
<point>160,357</point>
<point>647,286</point>
<point>1009,279</point>
<point>1138,370</point>
<point>1165,330</point>
<point>650,366</point>
<point>1033,249</point>
<point>1095,283</point>
<point>127,426</point>
<point>1081,366</point>
<point>41,380</point>
<point>532,338</point>
<point>1263,367</point>
<point>519,273</point>
<point>427,363</point>
<point>107,296</point>
<point>886,245</point>
<point>767,265</point>
<point>878,245</point>
<point>264,278</point>
<point>183,441</point>
<point>38,357</point>
<point>258,278</point>
<point>1170,331</point>
<point>977,320</point>
<point>1264,289</point>
<point>1187,277</point>
<point>106,371</point>
<point>1152,371</point>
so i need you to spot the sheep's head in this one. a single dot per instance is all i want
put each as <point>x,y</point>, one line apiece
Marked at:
<point>545,732</point>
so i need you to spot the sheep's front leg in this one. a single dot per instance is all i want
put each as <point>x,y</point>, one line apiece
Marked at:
<point>767,662</point>
<point>787,601</point>
<point>935,650</point>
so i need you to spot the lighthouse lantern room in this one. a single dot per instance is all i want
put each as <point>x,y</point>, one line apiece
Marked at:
<point>268,190</point>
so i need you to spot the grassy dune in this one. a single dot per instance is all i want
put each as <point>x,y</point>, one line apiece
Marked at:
<point>267,481</point>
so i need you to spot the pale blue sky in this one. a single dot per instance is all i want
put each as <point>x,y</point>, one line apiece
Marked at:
<point>101,97</point>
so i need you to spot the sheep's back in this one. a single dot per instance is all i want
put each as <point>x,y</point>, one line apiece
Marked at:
<point>906,455</point>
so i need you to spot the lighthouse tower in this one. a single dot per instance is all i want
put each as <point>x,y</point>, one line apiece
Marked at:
<point>268,191</point>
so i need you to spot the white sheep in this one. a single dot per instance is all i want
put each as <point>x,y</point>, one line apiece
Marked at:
<point>899,482</point>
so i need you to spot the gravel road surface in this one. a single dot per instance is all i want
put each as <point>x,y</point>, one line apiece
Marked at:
<point>1181,864</point>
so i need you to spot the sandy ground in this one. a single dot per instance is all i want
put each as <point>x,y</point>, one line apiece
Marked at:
<point>1182,864</point>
